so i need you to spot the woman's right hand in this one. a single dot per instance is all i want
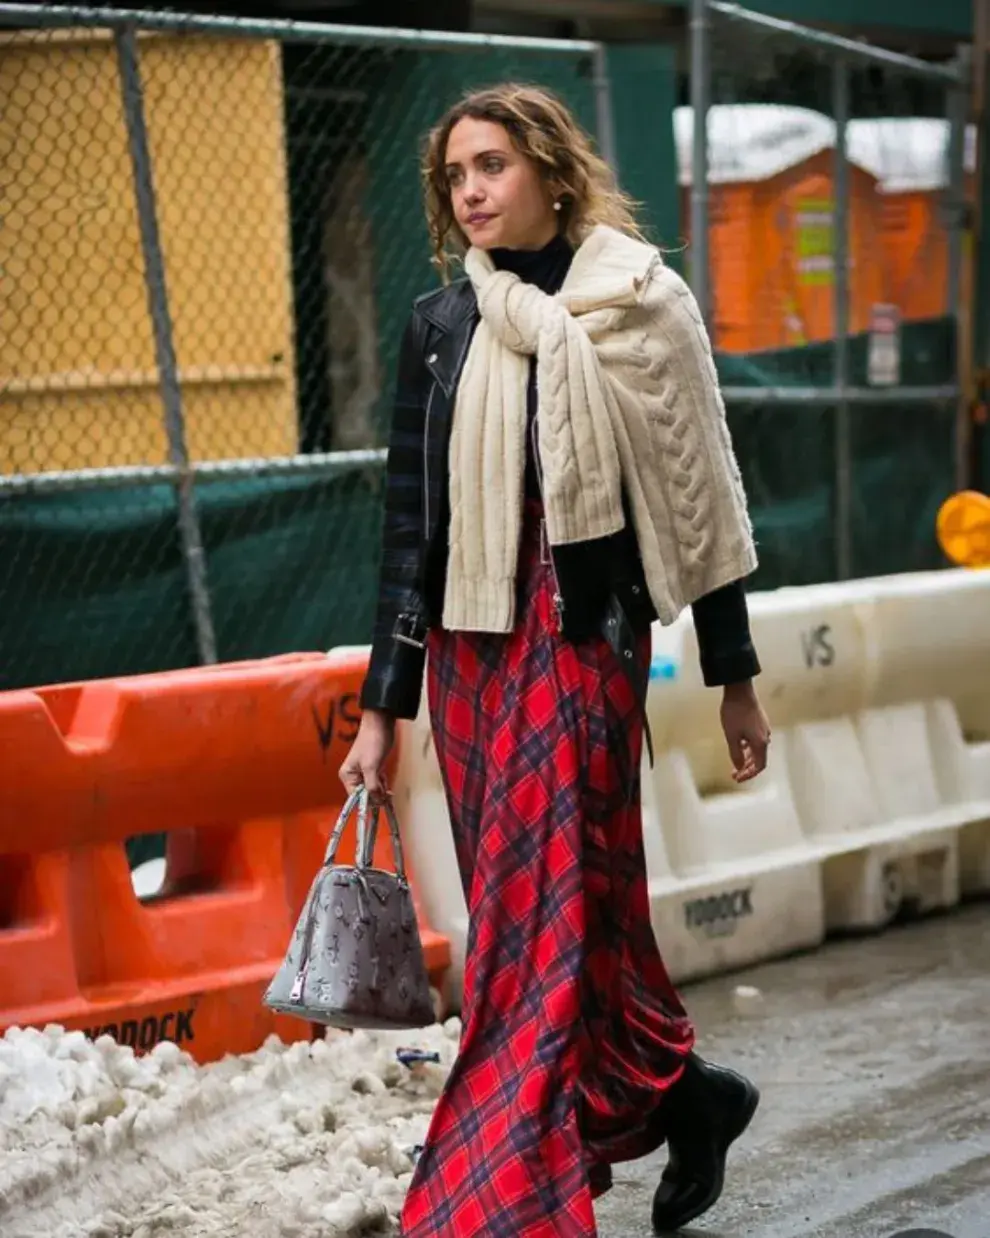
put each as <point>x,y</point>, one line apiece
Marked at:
<point>368,754</point>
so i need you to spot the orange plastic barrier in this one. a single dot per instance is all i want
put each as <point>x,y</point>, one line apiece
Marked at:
<point>238,766</point>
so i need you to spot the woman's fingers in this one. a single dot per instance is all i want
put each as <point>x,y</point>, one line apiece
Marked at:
<point>758,745</point>
<point>755,747</point>
<point>374,783</point>
<point>737,750</point>
<point>350,775</point>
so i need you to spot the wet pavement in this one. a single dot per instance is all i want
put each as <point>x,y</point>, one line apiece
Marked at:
<point>873,1059</point>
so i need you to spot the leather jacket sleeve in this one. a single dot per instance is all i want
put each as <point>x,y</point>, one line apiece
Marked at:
<point>721,623</point>
<point>398,650</point>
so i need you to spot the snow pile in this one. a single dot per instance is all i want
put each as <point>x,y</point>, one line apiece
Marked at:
<point>299,1141</point>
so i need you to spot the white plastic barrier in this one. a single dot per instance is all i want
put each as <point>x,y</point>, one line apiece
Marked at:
<point>427,840</point>
<point>723,837</point>
<point>870,688</point>
<point>876,800</point>
<point>933,648</point>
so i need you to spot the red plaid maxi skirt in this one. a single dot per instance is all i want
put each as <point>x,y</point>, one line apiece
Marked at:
<point>572,1029</point>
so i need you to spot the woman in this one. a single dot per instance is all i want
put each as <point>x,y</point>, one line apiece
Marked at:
<point>559,475</point>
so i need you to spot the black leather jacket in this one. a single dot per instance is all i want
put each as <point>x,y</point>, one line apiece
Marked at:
<point>601,583</point>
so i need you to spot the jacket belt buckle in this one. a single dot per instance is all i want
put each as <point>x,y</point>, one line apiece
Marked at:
<point>409,630</point>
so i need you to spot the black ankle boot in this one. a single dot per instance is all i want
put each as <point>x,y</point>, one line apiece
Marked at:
<point>705,1110</point>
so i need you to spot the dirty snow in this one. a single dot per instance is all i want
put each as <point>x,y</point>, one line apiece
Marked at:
<point>299,1141</point>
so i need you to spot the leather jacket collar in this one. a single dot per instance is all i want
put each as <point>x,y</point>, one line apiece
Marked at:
<point>453,312</point>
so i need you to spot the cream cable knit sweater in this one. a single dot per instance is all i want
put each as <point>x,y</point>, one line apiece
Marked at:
<point>628,396</point>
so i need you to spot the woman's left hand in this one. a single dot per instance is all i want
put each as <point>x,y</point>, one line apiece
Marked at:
<point>747,730</point>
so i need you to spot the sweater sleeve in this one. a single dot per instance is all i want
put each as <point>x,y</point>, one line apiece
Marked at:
<point>725,646</point>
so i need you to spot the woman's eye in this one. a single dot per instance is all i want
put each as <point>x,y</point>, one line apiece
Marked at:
<point>494,166</point>
<point>453,179</point>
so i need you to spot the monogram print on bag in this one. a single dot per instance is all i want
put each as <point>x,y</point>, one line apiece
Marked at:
<point>355,938</point>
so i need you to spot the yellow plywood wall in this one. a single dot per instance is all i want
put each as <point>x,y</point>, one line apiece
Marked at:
<point>78,382</point>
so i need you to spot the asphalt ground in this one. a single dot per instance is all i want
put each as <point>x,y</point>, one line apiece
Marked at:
<point>873,1059</point>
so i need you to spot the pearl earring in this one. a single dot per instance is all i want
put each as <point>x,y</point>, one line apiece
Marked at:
<point>557,206</point>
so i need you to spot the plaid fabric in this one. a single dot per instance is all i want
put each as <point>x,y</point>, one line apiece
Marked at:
<point>572,1029</point>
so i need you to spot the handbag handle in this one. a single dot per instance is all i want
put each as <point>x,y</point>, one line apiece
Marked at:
<point>357,799</point>
<point>366,844</point>
<point>367,832</point>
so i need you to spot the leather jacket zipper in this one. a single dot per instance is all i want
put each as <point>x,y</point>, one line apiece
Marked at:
<point>426,463</point>
<point>452,395</point>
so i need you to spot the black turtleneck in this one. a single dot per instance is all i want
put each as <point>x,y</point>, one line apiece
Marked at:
<point>546,268</point>
<point>721,619</point>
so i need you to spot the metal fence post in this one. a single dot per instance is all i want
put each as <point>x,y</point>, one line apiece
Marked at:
<point>958,108</point>
<point>840,320</point>
<point>154,265</point>
<point>604,117</point>
<point>701,95</point>
<point>956,226</point>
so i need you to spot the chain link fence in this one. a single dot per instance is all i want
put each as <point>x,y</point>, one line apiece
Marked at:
<point>211,235</point>
<point>828,189</point>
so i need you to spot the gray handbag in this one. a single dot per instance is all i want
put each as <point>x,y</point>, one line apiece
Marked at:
<point>355,959</point>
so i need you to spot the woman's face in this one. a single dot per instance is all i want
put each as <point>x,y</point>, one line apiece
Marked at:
<point>499,198</point>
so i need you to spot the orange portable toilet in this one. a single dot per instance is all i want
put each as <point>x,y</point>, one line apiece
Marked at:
<point>909,156</point>
<point>771,234</point>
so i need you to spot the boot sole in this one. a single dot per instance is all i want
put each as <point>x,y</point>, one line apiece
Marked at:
<point>730,1135</point>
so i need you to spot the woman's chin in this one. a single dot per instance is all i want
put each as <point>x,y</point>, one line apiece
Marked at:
<point>490,235</point>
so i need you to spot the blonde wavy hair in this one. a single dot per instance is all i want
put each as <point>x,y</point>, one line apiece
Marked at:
<point>542,128</point>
